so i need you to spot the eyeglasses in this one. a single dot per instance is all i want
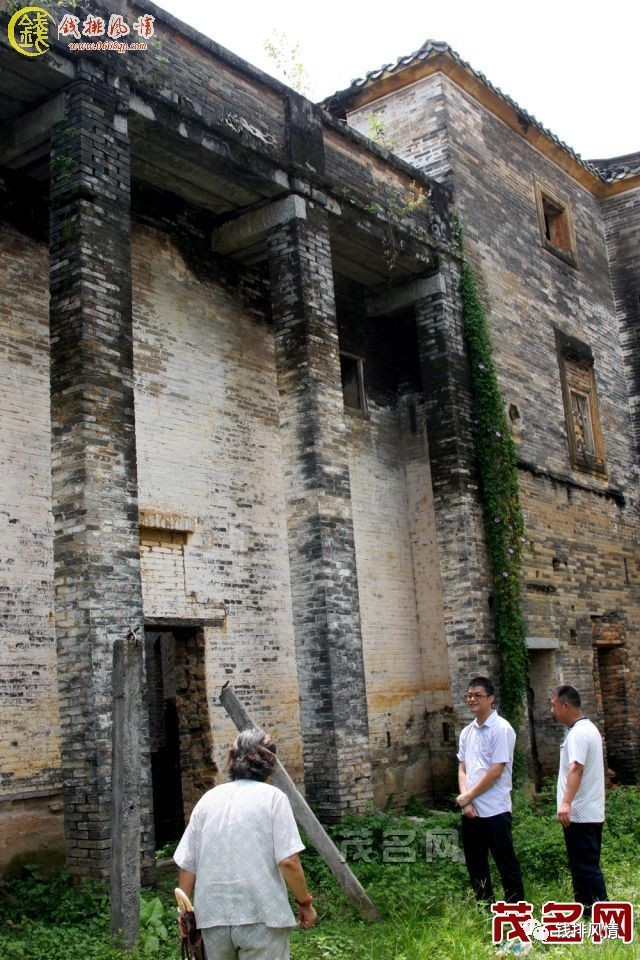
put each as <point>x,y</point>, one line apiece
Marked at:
<point>475,696</point>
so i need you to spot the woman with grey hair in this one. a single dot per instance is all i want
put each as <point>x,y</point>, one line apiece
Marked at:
<point>240,847</point>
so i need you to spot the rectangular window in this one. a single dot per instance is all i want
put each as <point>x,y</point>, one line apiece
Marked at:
<point>583,424</point>
<point>580,404</point>
<point>556,225</point>
<point>353,392</point>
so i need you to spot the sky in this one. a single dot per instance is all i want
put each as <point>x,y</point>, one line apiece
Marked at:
<point>574,66</point>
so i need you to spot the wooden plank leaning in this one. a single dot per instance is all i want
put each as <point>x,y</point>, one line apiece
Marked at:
<point>353,889</point>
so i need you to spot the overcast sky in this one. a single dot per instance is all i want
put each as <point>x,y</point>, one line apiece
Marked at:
<point>574,66</point>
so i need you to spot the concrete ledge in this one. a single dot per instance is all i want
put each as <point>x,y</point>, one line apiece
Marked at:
<point>251,227</point>
<point>217,617</point>
<point>156,520</point>
<point>542,643</point>
<point>405,295</point>
<point>25,133</point>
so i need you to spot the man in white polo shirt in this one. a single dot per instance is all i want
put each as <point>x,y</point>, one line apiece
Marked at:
<point>580,796</point>
<point>485,755</point>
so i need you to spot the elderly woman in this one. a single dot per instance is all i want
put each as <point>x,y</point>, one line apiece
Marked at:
<point>240,847</point>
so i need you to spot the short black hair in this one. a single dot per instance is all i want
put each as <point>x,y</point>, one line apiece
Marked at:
<point>483,682</point>
<point>568,694</point>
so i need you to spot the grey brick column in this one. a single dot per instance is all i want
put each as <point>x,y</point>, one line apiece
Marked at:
<point>324,582</point>
<point>97,569</point>
<point>458,509</point>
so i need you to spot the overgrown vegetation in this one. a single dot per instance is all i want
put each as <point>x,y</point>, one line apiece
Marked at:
<point>428,911</point>
<point>287,61</point>
<point>501,501</point>
<point>377,131</point>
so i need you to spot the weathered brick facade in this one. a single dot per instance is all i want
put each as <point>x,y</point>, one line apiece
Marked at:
<point>260,445</point>
<point>581,525</point>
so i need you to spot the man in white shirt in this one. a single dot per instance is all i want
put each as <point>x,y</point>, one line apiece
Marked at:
<point>241,845</point>
<point>485,755</point>
<point>580,796</point>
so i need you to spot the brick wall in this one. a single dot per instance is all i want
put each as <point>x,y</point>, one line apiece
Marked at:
<point>581,570</point>
<point>209,452</point>
<point>399,582</point>
<point>622,227</point>
<point>400,601</point>
<point>528,292</point>
<point>527,289</point>
<point>413,124</point>
<point>30,737</point>
<point>589,524</point>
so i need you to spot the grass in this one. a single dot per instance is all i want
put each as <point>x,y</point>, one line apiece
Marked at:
<point>428,913</point>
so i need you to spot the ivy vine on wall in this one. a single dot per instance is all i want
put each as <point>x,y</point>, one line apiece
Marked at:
<point>501,500</point>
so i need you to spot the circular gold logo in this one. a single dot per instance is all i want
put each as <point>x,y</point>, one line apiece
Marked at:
<point>28,31</point>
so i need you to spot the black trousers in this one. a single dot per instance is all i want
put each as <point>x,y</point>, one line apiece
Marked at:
<point>583,842</point>
<point>481,835</point>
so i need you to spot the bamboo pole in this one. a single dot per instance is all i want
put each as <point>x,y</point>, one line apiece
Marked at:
<point>353,889</point>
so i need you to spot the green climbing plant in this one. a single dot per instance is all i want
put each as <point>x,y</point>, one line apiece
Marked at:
<point>501,499</point>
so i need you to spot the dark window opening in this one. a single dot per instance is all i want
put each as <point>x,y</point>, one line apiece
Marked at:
<point>353,391</point>
<point>556,225</point>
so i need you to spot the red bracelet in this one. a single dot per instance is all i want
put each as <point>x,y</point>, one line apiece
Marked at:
<point>306,902</point>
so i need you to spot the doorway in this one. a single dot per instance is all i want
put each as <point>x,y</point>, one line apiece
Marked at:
<point>612,684</point>
<point>180,740</point>
<point>164,737</point>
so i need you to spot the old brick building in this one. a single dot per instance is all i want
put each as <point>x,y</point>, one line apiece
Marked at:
<point>236,413</point>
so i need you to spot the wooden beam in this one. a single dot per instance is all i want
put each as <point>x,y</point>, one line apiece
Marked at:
<point>353,889</point>
<point>125,840</point>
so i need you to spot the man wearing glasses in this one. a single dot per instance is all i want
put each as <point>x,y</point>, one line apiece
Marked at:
<point>485,755</point>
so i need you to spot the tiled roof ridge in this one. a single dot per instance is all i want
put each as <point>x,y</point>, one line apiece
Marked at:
<point>618,168</point>
<point>429,47</point>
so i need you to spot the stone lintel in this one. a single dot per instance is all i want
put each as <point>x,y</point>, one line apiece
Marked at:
<point>216,617</point>
<point>542,643</point>
<point>252,227</point>
<point>30,130</point>
<point>405,295</point>
<point>158,520</point>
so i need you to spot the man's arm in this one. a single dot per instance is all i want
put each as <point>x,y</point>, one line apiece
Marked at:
<point>487,780</point>
<point>574,779</point>
<point>187,882</point>
<point>462,777</point>
<point>468,809</point>
<point>291,870</point>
